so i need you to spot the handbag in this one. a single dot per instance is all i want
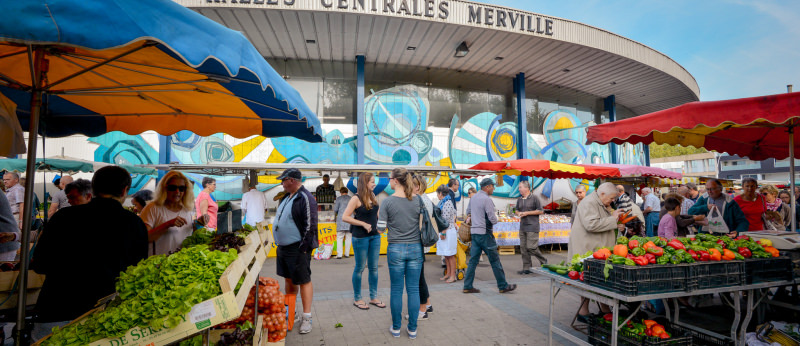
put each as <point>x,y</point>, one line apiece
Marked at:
<point>465,233</point>
<point>428,232</point>
<point>441,223</point>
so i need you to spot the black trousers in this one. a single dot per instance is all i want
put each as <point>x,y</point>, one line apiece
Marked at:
<point>423,286</point>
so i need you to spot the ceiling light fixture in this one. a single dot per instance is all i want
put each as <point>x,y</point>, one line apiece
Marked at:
<point>311,41</point>
<point>566,70</point>
<point>411,48</point>
<point>613,83</point>
<point>498,58</point>
<point>462,50</point>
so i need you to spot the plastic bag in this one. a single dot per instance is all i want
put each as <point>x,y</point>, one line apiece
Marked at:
<point>323,252</point>
<point>715,222</point>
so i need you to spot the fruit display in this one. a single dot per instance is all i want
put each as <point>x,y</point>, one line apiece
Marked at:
<point>157,293</point>
<point>271,306</point>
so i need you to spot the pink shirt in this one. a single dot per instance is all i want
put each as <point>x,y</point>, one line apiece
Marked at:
<point>212,209</point>
<point>667,227</point>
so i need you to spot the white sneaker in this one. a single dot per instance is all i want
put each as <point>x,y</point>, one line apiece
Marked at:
<point>411,335</point>
<point>395,333</point>
<point>305,325</point>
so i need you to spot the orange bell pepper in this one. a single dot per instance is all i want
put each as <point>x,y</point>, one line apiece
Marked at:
<point>657,329</point>
<point>621,250</point>
<point>649,323</point>
<point>648,245</point>
<point>714,254</point>
<point>728,255</point>
<point>772,250</point>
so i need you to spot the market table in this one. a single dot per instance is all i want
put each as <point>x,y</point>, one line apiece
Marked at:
<point>553,229</point>
<point>559,282</point>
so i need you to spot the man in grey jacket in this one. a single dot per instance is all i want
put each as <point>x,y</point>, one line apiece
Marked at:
<point>483,216</point>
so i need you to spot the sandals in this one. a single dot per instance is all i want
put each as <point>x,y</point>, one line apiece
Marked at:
<point>362,306</point>
<point>379,304</point>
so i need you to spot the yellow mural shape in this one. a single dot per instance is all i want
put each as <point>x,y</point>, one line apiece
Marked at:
<point>243,149</point>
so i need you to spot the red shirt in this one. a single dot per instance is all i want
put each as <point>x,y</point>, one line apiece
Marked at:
<point>753,211</point>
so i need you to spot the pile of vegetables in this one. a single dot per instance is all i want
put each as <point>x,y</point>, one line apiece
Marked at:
<point>242,335</point>
<point>643,251</point>
<point>646,329</point>
<point>157,292</point>
<point>200,236</point>
<point>574,270</point>
<point>271,305</point>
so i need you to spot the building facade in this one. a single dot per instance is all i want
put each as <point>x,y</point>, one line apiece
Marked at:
<point>735,167</point>
<point>430,82</point>
<point>694,165</point>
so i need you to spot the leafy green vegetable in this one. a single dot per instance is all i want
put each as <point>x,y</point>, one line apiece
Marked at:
<point>199,237</point>
<point>338,325</point>
<point>157,292</point>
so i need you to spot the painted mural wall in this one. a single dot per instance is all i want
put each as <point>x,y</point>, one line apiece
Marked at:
<point>397,131</point>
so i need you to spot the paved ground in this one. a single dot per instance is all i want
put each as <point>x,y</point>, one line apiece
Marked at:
<point>487,318</point>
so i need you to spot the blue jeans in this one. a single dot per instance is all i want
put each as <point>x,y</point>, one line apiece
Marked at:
<point>651,222</point>
<point>405,264</point>
<point>485,243</point>
<point>367,250</point>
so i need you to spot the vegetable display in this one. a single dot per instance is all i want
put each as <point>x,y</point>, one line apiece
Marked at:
<point>647,329</point>
<point>271,305</point>
<point>157,292</point>
<point>702,247</point>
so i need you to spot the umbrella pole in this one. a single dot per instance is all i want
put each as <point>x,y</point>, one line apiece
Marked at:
<point>36,58</point>
<point>791,177</point>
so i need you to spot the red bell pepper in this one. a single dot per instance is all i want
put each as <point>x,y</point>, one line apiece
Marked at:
<point>580,276</point>
<point>641,260</point>
<point>655,250</point>
<point>720,242</point>
<point>608,317</point>
<point>745,252</point>
<point>630,256</point>
<point>676,244</point>
<point>742,237</point>
<point>650,258</point>
<point>632,244</point>
<point>694,254</point>
<point>704,256</point>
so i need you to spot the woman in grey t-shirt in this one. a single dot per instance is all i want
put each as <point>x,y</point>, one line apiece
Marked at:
<point>400,215</point>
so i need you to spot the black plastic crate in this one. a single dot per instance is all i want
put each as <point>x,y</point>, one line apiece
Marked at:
<point>703,339</point>
<point>759,270</point>
<point>703,275</point>
<point>637,280</point>
<point>600,334</point>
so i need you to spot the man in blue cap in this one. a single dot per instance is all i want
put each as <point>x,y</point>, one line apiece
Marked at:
<point>295,230</point>
<point>483,216</point>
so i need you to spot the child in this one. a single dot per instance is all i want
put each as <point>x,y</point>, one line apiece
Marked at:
<point>668,227</point>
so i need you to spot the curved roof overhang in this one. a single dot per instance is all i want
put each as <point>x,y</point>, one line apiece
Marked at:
<point>553,53</point>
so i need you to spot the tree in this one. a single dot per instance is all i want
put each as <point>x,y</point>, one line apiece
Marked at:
<point>665,150</point>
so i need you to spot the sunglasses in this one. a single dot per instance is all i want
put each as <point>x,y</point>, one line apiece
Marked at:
<point>172,188</point>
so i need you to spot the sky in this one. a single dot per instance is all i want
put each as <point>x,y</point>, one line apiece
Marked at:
<point>733,48</point>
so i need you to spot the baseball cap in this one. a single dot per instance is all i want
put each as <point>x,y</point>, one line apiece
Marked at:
<point>291,173</point>
<point>486,182</point>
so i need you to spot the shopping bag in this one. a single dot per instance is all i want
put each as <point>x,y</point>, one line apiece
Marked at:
<point>323,252</point>
<point>464,234</point>
<point>715,222</point>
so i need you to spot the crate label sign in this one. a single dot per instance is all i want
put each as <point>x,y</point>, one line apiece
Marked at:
<point>202,312</point>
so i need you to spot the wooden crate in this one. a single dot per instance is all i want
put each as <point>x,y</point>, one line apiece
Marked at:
<point>506,250</point>
<point>220,309</point>
<point>259,337</point>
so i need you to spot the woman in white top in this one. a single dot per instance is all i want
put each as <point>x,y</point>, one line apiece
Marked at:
<point>446,246</point>
<point>169,216</point>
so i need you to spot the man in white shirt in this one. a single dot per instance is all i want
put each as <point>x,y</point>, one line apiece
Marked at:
<point>253,205</point>
<point>652,207</point>
<point>60,199</point>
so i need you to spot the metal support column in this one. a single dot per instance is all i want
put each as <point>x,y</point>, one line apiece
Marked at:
<point>646,154</point>
<point>164,153</point>
<point>360,121</point>
<point>610,105</point>
<point>522,117</point>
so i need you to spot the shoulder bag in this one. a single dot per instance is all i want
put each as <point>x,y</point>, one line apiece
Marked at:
<point>428,232</point>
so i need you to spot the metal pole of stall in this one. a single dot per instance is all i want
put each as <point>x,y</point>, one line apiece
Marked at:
<point>36,61</point>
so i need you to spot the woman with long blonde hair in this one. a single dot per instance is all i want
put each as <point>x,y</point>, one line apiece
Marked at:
<point>399,214</point>
<point>362,214</point>
<point>169,216</point>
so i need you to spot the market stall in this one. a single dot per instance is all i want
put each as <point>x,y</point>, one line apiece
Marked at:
<point>67,69</point>
<point>646,269</point>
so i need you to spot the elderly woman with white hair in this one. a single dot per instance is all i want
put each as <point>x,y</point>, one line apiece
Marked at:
<point>594,227</point>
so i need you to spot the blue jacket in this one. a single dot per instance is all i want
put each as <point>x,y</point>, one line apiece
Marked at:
<point>304,213</point>
<point>732,214</point>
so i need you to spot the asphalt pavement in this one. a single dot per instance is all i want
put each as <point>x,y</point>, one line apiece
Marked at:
<point>486,318</point>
